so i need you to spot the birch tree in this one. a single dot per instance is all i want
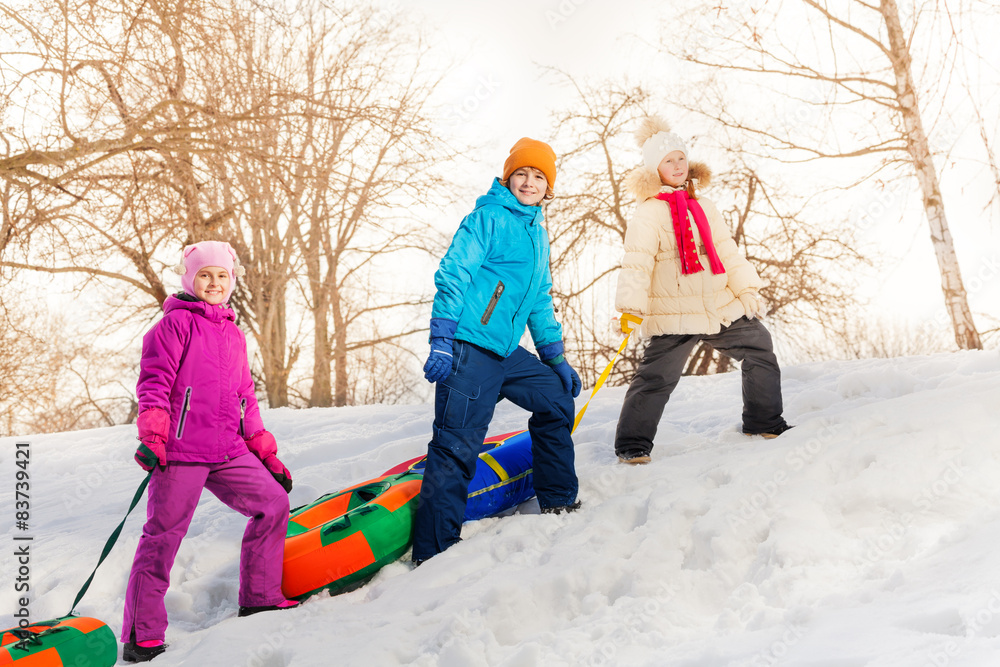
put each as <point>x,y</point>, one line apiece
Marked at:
<point>861,57</point>
<point>793,246</point>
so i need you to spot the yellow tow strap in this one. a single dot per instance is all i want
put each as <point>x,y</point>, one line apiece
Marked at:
<point>492,463</point>
<point>627,319</point>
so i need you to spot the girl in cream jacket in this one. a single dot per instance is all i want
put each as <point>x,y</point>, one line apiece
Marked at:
<point>684,276</point>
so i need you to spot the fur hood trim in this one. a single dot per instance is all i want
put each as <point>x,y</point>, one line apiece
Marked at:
<point>644,184</point>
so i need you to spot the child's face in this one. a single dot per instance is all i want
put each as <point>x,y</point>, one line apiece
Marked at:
<point>211,284</point>
<point>528,185</point>
<point>673,169</point>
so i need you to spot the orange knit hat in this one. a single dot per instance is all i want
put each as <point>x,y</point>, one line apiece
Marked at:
<point>531,153</point>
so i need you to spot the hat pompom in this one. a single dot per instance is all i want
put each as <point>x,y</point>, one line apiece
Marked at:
<point>648,127</point>
<point>179,269</point>
<point>238,269</point>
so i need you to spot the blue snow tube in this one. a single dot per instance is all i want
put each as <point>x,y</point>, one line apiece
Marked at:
<point>503,477</point>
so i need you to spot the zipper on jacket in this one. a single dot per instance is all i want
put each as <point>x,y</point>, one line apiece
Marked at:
<point>534,267</point>
<point>243,412</point>
<point>184,411</point>
<point>492,304</point>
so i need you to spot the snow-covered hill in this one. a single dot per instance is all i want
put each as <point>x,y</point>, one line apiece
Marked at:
<point>868,535</point>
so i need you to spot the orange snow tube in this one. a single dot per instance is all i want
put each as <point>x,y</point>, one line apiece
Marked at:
<point>342,539</point>
<point>69,641</point>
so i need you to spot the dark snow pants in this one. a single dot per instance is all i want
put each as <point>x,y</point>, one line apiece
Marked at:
<point>747,341</point>
<point>463,407</point>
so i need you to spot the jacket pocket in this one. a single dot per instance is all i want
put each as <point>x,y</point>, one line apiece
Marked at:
<point>184,410</point>
<point>243,413</point>
<point>485,319</point>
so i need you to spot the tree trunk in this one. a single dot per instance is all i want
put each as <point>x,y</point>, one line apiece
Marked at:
<point>339,350</point>
<point>320,395</point>
<point>273,338</point>
<point>955,297</point>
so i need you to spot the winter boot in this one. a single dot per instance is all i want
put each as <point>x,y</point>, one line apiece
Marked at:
<point>142,651</point>
<point>635,458</point>
<point>771,433</point>
<point>287,604</point>
<point>559,509</point>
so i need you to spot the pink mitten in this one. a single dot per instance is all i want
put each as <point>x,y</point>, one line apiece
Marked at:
<point>264,447</point>
<point>153,425</point>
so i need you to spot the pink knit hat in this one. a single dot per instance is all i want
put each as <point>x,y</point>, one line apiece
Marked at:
<point>209,253</point>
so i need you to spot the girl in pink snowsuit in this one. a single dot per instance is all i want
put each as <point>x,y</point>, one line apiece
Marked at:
<point>200,427</point>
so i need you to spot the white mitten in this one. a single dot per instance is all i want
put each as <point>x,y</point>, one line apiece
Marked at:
<point>753,304</point>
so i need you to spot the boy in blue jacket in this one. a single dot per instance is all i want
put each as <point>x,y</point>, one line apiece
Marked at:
<point>493,281</point>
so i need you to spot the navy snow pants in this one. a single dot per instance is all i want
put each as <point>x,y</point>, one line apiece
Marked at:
<point>463,407</point>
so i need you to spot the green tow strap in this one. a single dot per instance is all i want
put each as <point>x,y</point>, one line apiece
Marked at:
<point>111,541</point>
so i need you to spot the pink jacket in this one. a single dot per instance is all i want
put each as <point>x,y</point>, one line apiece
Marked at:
<point>194,365</point>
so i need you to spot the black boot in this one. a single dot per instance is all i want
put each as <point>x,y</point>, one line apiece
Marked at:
<point>132,652</point>
<point>559,509</point>
<point>249,611</point>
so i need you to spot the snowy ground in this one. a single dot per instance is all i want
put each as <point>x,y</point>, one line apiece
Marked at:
<point>868,535</point>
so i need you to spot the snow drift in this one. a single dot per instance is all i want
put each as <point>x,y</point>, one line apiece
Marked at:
<point>864,536</point>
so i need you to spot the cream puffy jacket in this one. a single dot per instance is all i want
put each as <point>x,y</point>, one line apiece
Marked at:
<point>650,283</point>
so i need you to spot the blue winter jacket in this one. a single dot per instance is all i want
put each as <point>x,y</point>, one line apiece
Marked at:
<point>495,280</point>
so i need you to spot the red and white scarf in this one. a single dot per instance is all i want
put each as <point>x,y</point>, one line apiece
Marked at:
<point>680,202</point>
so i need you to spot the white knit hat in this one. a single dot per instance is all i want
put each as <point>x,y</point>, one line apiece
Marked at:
<point>656,140</point>
<point>659,146</point>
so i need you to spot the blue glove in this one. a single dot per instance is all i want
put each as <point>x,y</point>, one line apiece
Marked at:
<point>552,354</point>
<point>438,365</point>
<point>571,381</point>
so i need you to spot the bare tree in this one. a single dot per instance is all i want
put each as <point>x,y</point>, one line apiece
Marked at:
<point>588,218</point>
<point>789,242</point>
<point>117,92</point>
<point>250,184</point>
<point>52,380</point>
<point>884,339</point>
<point>19,348</point>
<point>861,57</point>
<point>140,127</point>
<point>120,156</point>
<point>366,127</point>
<point>296,133</point>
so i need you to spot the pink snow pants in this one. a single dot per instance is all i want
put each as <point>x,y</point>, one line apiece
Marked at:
<point>242,484</point>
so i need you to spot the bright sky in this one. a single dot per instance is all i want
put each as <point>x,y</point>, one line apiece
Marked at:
<point>500,92</point>
<point>500,89</point>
